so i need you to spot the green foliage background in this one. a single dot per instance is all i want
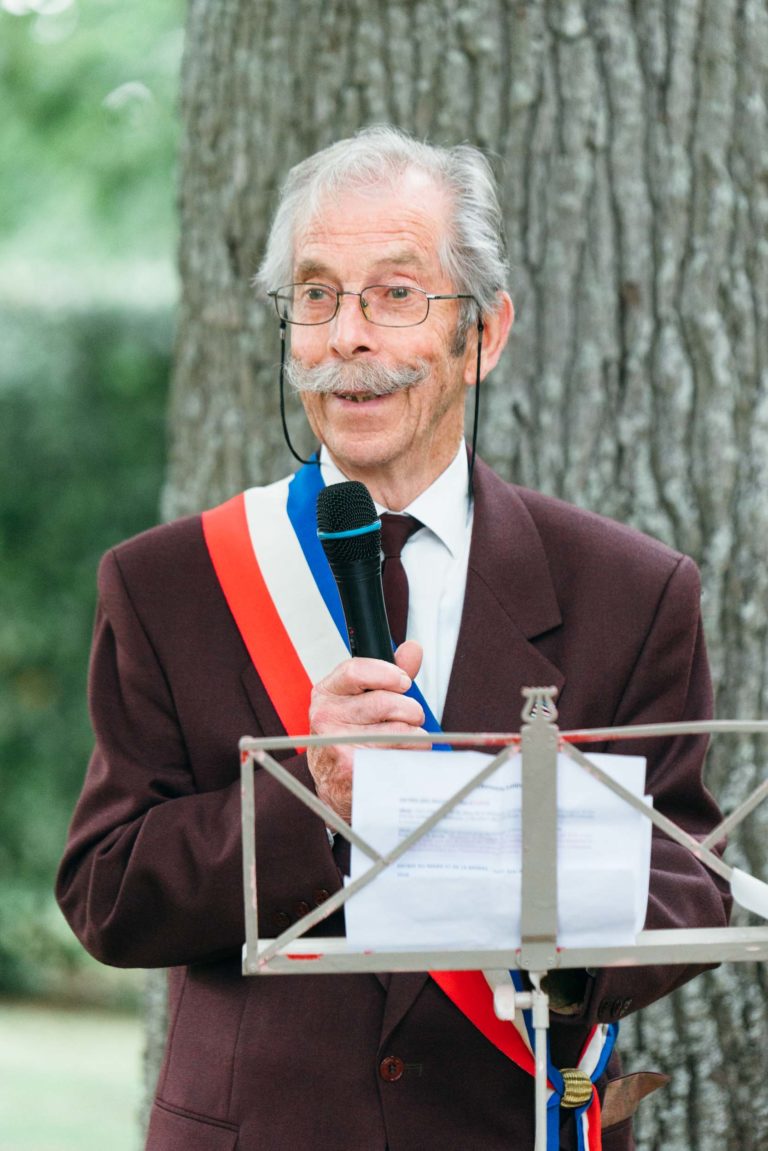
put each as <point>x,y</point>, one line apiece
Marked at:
<point>89,128</point>
<point>87,290</point>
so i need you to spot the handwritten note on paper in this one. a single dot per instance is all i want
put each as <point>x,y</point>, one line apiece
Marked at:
<point>459,886</point>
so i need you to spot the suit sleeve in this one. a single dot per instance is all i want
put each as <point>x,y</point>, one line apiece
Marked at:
<point>669,682</point>
<point>152,872</point>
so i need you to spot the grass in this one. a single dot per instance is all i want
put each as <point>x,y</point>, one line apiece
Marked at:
<point>70,1080</point>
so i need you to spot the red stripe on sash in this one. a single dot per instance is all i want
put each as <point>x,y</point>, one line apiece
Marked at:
<point>470,992</point>
<point>586,1043</point>
<point>595,1121</point>
<point>593,1112</point>
<point>228,540</point>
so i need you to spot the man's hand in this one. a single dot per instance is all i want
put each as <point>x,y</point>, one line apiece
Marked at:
<point>360,693</point>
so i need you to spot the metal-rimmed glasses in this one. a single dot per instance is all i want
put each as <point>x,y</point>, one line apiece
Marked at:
<point>387,305</point>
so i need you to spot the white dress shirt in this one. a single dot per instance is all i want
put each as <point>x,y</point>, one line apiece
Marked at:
<point>435,561</point>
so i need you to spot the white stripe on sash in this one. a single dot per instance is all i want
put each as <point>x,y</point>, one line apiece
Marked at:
<point>594,1050</point>
<point>500,978</point>
<point>290,582</point>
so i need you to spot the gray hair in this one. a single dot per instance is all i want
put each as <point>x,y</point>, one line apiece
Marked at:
<point>473,252</point>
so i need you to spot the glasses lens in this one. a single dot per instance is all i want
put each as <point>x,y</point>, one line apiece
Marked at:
<point>306,303</point>
<point>395,305</point>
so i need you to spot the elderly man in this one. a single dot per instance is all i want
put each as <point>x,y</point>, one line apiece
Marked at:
<point>386,265</point>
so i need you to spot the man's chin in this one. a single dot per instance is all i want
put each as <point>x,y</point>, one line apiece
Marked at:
<point>359,456</point>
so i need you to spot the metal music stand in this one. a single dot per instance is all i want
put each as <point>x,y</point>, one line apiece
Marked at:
<point>539,742</point>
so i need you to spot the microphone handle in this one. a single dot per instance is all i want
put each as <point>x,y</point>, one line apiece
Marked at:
<point>362,598</point>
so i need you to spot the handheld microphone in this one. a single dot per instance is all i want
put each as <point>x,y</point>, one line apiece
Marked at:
<point>350,532</point>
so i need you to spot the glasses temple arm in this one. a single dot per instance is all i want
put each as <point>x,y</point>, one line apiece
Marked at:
<point>476,417</point>
<point>283,420</point>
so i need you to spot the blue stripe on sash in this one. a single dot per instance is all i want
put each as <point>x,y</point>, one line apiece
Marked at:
<point>556,1079</point>
<point>303,491</point>
<point>554,1076</point>
<point>605,1054</point>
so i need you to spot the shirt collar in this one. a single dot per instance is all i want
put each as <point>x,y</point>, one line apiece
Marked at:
<point>442,507</point>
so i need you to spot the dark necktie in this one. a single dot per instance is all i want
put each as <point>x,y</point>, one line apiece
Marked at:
<point>395,530</point>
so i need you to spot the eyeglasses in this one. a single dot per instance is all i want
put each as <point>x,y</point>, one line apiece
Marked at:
<point>388,305</point>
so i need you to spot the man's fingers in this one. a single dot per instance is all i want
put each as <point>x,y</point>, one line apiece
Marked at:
<point>358,697</point>
<point>332,713</point>
<point>409,656</point>
<point>358,675</point>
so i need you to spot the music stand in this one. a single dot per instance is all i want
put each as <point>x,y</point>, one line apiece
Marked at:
<point>539,742</point>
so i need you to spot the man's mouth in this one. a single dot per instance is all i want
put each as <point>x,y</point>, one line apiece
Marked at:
<point>358,397</point>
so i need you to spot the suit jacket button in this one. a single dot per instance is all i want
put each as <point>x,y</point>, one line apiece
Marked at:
<point>391,1069</point>
<point>611,1009</point>
<point>320,896</point>
<point>281,920</point>
<point>302,909</point>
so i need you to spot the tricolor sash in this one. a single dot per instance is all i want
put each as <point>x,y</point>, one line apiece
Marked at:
<point>279,588</point>
<point>276,580</point>
<point>472,992</point>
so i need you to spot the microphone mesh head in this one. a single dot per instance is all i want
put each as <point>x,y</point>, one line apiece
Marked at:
<point>343,508</point>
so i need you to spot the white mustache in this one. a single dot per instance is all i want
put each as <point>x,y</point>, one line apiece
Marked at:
<point>363,376</point>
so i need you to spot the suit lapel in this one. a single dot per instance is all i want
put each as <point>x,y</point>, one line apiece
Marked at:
<point>509,600</point>
<point>267,718</point>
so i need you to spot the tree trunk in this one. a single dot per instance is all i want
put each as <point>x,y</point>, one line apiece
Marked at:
<point>631,140</point>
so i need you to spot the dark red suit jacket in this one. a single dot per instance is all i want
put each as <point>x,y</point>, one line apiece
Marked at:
<point>152,870</point>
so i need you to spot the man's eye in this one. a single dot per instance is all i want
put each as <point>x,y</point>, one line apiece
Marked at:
<point>399,293</point>
<point>314,295</point>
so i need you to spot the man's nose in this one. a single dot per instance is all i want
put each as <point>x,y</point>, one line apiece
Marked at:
<point>350,333</point>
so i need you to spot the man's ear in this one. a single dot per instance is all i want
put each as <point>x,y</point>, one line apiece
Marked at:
<point>496,329</point>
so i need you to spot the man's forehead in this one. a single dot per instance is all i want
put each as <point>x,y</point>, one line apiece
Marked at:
<point>392,224</point>
<point>314,261</point>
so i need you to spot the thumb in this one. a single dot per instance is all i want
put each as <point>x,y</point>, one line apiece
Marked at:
<point>409,656</point>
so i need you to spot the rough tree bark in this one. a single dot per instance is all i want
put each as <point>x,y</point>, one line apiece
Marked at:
<point>631,140</point>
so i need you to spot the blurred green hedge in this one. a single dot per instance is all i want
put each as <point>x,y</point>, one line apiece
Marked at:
<point>82,441</point>
<point>89,130</point>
